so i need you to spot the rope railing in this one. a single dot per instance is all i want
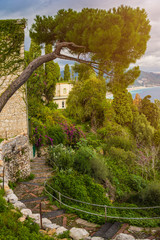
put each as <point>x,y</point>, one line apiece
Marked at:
<point>60,195</point>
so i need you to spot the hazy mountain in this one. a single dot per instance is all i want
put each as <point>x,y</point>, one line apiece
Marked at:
<point>148,79</point>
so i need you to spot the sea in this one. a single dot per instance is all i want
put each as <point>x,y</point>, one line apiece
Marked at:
<point>154,92</point>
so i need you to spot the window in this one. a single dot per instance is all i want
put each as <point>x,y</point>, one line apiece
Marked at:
<point>62,104</point>
<point>64,90</point>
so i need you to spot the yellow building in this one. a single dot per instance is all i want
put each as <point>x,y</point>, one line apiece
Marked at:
<point>61,94</point>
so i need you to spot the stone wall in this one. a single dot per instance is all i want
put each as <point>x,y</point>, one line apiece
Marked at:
<point>14,156</point>
<point>13,118</point>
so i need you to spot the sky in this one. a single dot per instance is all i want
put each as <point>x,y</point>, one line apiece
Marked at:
<point>150,62</point>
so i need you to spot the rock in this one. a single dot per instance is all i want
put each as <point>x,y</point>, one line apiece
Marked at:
<point>97,238</point>
<point>35,216</point>
<point>19,205</point>
<point>22,219</point>
<point>26,212</point>
<point>6,187</point>
<point>51,232</point>
<point>12,198</point>
<point>52,226</point>
<point>78,233</point>
<point>135,229</point>
<point>123,236</point>
<point>89,238</point>
<point>61,230</point>
<point>1,163</point>
<point>46,223</point>
<point>9,191</point>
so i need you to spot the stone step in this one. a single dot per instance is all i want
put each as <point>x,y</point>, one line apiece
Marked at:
<point>32,183</point>
<point>112,230</point>
<point>53,214</point>
<point>33,199</point>
<point>85,223</point>
<point>104,228</point>
<point>41,171</point>
<point>38,163</point>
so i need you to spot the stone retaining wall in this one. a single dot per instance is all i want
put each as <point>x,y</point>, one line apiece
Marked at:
<point>14,156</point>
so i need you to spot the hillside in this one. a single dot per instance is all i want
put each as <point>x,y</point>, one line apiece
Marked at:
<point>148,79</point>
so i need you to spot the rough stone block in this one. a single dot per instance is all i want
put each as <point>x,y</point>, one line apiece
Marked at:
<point>61,230</point>
<point>78,233</point>
<point>123,236</point>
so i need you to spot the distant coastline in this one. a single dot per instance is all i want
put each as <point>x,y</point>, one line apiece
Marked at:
<point>134,88</point>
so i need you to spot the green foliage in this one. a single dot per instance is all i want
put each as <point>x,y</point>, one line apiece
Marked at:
<point>56,133</point>
<point>121,142</point>
<point>12,185</point>
<point>12,32</point>
<point>111,129</point>
<point>12,229</point>
<point>52,75</point>
<point>122,103</point>
<point>1,140</point>
<point>87,161</point>
<point>151,194</point>
<point>61,157</point>
<point>141,128</point>
<point>81,187</point>
<point>137,183</point>
<point>63,235</point>
<point>30,177</point>
<point>113,38</point>
<point>157,137</point>
<point>66,73</point>
<point>83,71</point>
<point>86,101</point>
<point>3,205</point>
<point>150,110</point>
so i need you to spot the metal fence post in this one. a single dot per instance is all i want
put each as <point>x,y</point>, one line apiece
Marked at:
<point>105,214</point>
<point>40,211</point>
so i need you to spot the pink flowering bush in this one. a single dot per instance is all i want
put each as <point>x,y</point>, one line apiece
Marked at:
<point>73,133</point>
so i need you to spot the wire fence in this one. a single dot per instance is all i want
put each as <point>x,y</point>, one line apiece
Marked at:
<point>105,207</point>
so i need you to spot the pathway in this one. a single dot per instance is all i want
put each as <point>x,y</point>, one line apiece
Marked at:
<point>31,193</point>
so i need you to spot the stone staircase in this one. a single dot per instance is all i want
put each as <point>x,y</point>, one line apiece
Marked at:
<point>31,193</point>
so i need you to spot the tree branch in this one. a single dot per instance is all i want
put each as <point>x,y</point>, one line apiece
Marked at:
<point>17,83</point>
<point>92,63</point>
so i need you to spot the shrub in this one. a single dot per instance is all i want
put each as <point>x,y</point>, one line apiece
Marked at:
<point>111,129</point>
<point>77,186</point>
<point>137,183</point>
<point>56,133</point>
<point>141,128</point>
<point>87,161</point>
<point>150,196</point>
<point>73,133</point>
<point>61,156</point>
<point>157,137</point>
<point>121,142</point>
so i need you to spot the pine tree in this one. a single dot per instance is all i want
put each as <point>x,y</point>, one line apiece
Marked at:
<point>66,73</point>
<point>52,75</point>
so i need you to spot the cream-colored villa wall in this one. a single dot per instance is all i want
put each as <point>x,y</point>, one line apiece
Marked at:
<point>61,94</point>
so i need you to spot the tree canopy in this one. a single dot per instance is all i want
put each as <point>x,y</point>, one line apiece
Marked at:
<point>106,40</point>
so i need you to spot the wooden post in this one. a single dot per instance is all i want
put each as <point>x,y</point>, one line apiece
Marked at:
<point>3,177</point>
<point>60,198</point>
<point>40,211</point>
<point>105,214</point>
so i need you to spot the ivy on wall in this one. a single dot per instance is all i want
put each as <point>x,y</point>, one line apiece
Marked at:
<point>11,40</point>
